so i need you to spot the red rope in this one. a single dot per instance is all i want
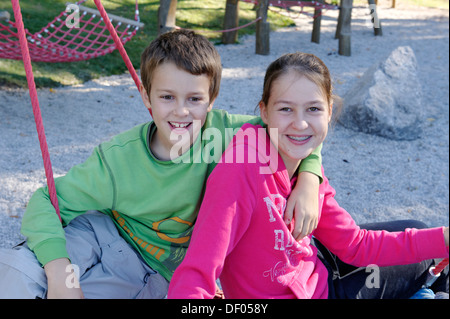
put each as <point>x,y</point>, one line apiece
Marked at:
<point>227,30</point>
<point>437,270</point>
<point>119,45</point>
<point>35,104</point>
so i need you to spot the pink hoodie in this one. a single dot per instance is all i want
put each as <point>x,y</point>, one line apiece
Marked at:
<point>240,235</point>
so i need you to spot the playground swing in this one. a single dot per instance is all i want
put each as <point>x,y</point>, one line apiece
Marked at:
<point>26,57</point>
<point>434,272</point>
<point>65,39</point>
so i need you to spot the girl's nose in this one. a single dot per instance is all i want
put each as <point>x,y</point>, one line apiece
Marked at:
<point>299,122</point>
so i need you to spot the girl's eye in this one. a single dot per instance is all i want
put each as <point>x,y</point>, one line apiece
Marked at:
<point>195,99</point>
<point>285,109</point>
<point>167,97</point>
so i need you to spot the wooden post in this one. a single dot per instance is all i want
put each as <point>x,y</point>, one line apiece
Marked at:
<point>374,17</point>
<point>345,16</point>
<point>315,36</point>
<point>339,21</point>
<point>262,29</point>
<point>393,4</point>
<point>166,15</point>
<point>231,20</point>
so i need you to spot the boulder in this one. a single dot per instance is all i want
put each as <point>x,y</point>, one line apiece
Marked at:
<point>387,99</point>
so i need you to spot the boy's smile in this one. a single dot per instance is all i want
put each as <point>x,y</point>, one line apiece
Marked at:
<point>177,99</point>
<point>180,124</point>
<point>180,127</point>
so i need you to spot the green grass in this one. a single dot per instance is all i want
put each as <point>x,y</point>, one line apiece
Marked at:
<point>197,15</point>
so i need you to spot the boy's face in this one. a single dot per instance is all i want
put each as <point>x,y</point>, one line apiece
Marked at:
<point>179,102</point>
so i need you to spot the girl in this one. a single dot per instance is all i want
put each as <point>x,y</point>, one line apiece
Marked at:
<point>241,237</point>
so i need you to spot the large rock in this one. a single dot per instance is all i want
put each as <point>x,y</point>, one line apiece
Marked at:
<point>387,99</point>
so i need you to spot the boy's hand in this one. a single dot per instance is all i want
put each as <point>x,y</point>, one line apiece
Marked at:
<point>62,282</point>
<point>303,205</point>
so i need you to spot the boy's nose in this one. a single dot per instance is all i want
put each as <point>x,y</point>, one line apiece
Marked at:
<point>181,109</point>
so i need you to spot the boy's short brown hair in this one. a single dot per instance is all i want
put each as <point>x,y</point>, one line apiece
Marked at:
<point>189,51</point>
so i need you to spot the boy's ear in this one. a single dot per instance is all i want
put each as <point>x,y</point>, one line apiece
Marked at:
<point>211,105</point>
<point>145,97</point>
<point>263,111</point>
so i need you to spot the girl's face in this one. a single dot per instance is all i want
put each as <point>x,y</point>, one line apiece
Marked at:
<point>298,108</point>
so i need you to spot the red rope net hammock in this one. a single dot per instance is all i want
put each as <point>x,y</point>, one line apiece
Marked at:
<point>57,42</point>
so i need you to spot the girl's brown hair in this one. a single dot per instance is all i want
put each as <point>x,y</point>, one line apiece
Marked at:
<point>305,64</point>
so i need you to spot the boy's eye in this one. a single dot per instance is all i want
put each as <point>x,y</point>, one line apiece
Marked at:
<point>285,109</point>
<point>167,97</point>
<point>195,99</point>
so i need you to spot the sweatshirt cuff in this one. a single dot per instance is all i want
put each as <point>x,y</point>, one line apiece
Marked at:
<point>311,168</point>
<point>431,243</point>
<point>51,249</point>
<point>313,164</point>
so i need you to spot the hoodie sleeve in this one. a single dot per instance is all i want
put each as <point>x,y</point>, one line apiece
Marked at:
<point>313,163</point>
<point>359,247</point>
<point>223,219</point>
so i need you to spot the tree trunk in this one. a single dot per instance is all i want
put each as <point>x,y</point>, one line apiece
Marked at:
<point>262,29</point>
<point>166,15</point>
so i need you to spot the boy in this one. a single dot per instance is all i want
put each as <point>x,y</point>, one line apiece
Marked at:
<point>145,185</point>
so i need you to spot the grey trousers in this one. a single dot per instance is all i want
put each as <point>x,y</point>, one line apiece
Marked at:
<point>108,267</point>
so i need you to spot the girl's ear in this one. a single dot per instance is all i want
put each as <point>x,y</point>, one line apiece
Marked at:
<point>330,116</point>
<point>263,112</point>
<point>145,97</point>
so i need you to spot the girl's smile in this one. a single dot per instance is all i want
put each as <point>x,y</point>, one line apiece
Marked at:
<point>299,140</point>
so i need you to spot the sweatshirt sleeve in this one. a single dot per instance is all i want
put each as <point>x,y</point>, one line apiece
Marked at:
<point>223,219</point>
<point>85,187</point>
<point>313,163</point>
<point>359,247</point>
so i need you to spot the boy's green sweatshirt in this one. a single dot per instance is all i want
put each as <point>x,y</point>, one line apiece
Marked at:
<point>153,203</point>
